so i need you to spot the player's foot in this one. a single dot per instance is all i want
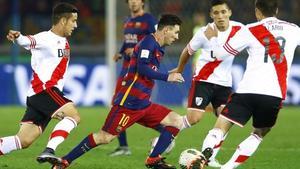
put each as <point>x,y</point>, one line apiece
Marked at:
<point>214,163</point>
<point>62,165</point>
<point>202,160</point>
<point>158,163</point>
<point>120,151</point>
<point>48,156</point>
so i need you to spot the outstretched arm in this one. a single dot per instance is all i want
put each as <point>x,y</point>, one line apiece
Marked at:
<point>28,42</point>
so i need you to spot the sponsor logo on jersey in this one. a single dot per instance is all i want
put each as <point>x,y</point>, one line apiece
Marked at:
<point>198,101</point>
<point>63,53</point>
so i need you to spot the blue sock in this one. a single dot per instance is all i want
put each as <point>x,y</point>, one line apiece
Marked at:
<point>84,146</point>
<point>163,142</point>
<point>160,128</point>
<point>122,139</point>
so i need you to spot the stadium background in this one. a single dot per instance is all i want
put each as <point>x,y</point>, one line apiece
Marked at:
<point>91,75</point>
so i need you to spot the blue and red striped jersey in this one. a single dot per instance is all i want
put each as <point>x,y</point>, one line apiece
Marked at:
<point>143,70</point>
<point>135,29</point>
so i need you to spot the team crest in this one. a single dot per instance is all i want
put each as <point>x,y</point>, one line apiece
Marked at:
<point>198,101</point>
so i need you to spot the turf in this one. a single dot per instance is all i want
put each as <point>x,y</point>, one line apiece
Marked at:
<point>279,150</point>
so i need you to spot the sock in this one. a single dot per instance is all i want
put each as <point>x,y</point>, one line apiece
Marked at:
<point>160,128</point>
<point>244,151</point>
<point>164,140</point>
<point>61,132</point>
<point>213,139</point>
<point>186,123</point>
<point>217,147</point>
<point>84,146</point>
<point>122,139</point>
<point>8,144</point>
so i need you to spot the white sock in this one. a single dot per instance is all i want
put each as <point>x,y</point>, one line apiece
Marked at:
<point>218,147</point>
<point>61,132</point>
<point>8,144</point>
<point>185,123</point>
<point>213,138</point>
<point>244,151</point>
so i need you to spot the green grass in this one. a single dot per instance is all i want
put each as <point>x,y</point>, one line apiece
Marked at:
<point>279,150</point>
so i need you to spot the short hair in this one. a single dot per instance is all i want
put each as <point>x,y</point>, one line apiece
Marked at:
<point>219,2</point>
<point>267,7</point>
<point>168,20</point>
<point>61,10</point>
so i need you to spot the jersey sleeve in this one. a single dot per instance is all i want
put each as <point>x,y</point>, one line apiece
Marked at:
<point>28,42</point>
<point>233,45</point>
<point>144,66</point>
<point>197,42</point>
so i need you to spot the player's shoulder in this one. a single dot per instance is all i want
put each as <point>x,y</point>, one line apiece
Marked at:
<point>149,16</point>
<point>148,41</point>
<point>41,35</point>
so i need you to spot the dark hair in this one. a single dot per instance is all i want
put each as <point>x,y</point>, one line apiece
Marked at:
<point>267,7</point>
<point>61,10</point>
<point>168,20</point>
<point>219,2</point>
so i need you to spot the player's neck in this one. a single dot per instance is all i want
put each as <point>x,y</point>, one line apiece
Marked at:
<point>159,38</point>
<point>137,13</point>
<point>57,30</point>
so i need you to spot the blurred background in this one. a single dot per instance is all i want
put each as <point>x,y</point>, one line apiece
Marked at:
<point>91,73</point>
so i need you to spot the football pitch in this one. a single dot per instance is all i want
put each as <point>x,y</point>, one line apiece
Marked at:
<point>279,150</point>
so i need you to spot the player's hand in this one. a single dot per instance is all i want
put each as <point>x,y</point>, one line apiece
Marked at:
<point>211,32</point>
<point>117,56</point>
<point>175,70</point>
<point>175,77</point>
<point>129,51</point>
<point>12,35</point>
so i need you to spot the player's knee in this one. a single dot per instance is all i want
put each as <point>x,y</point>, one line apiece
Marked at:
<point>26,142</point>
<point>103,138</point>
<point>262,132</point>
<point>194,117</point>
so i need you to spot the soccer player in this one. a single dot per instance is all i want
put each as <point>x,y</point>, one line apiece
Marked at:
<point>50,55</point>
<point>132,104</point>
<point>138,25</point>
<point>270,43</point>
<point>212,79</point>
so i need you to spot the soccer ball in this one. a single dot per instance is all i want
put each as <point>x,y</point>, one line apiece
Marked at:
<point>169,148</point>
<point>187,156</point>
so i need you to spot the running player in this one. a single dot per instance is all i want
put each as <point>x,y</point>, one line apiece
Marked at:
<point>49,61</point>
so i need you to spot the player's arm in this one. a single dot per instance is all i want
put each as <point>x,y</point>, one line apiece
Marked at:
<point>145,70</point>
<point>198,41</point>
<point>28,42</point>
<point>233,46</point>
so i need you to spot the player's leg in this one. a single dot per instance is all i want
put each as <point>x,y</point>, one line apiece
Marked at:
<point>117,121</point>
<point>155,115</point>
<point>61,108</point>
<point>27,134</point>
<point>199,97</point>
<point>218,101</point>
<point>264,118</point>
<point>234,113</point>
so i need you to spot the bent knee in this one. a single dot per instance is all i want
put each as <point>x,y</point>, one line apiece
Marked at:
<point>26,142</point>
<point>103,137</point>
<point>194,116</point>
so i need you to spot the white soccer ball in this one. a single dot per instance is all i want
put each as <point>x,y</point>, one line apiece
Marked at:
<point>187,156</point>
<point>169,148</point>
